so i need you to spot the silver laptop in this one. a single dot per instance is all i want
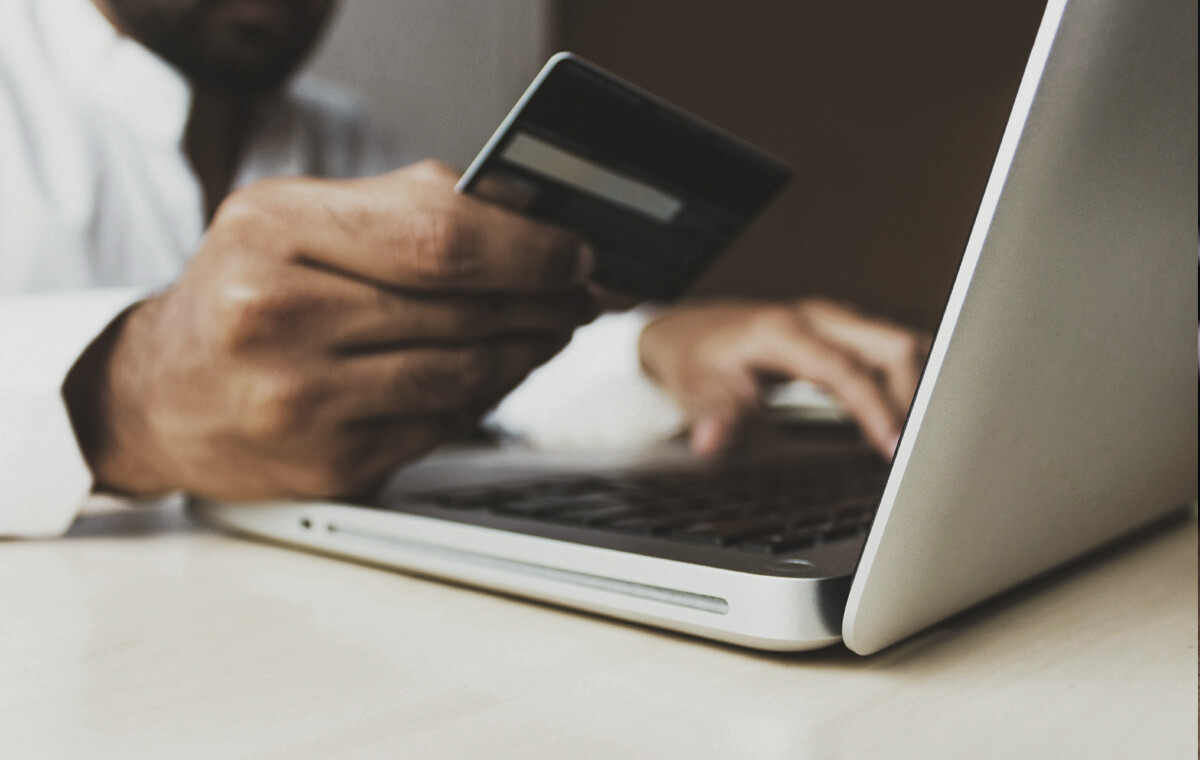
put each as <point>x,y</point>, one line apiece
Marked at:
<point>1057,410</point>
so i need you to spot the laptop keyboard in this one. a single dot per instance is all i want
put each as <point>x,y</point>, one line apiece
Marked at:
<point>767,508</point>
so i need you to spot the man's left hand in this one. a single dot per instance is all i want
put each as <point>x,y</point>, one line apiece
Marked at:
<point>716,358</point>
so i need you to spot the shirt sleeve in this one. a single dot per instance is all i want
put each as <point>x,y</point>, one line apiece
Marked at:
<point>43,476</point>
<point>592,396</point>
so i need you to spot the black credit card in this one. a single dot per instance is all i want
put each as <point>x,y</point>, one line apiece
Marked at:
<point>657,192</point>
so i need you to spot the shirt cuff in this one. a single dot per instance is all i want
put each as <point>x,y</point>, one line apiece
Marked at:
<point>593,396</point>
<point>44,478</point>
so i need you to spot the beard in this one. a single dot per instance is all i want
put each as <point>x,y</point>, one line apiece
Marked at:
<point>238,47</point>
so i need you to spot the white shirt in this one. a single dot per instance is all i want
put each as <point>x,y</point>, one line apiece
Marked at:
<point>99,207</point>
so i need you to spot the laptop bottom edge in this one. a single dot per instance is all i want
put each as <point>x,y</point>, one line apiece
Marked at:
<point>764,612</point>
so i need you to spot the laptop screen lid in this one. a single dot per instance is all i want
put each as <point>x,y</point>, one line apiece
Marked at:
<point>1057,409</point>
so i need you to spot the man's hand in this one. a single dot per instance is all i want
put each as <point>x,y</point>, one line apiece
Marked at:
<point>714,359</point>
<point>324,333</point>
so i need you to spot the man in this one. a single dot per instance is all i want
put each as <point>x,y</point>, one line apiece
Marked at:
<point>173,320</point>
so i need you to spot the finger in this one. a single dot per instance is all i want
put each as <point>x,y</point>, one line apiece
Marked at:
<point>893,351</point>
<point>717,405</point>
<point>314,308</point>
<point>356,465</point>
<point>712,435</point>
<point>418,381</point>
<point>796,354</point>
<point>376,318</point>
<point>415,233</point>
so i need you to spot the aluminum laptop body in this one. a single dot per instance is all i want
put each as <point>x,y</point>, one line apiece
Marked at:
<point>1057,410</point>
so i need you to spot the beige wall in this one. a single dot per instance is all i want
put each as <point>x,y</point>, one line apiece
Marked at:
<point>890,113</point>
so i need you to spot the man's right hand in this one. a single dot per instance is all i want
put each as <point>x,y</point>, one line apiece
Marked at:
<point>324,333</point>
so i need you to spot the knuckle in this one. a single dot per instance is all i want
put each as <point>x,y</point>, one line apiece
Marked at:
<point>908,348</point>
<point>258,212</point>
<point>837,369</point>
<point>250,315</point>
<point>443,247</point>
<point>432,169</point>
<point>773,320</point>
<point>815,309</point>
<point>240,207</point>
<point>258,217</point>
<point>238,322</point>
<point>279,405</point>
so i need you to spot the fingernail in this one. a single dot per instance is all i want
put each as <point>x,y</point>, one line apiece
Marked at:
<point>585,262</point>
<point>893,444</point>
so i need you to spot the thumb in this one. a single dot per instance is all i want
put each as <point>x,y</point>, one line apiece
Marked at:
<point>717,412</point>
<point>712,434</point>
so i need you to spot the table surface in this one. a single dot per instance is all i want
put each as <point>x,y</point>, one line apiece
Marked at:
<point>140,635</point>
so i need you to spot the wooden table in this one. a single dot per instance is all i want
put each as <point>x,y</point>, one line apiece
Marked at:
<point>141,636</point>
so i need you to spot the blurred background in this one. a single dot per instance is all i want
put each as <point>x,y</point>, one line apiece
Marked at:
<point>891,113</point>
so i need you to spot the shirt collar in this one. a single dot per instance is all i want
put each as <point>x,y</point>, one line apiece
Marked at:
<point>113,73</point>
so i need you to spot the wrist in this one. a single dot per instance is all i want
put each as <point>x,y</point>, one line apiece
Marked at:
<point>649,345</point>
<point>103,399</point>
